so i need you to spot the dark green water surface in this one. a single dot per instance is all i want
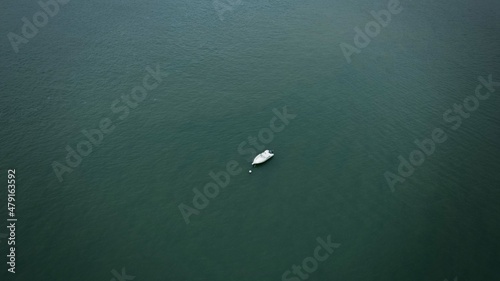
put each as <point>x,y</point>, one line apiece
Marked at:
<point>119,207</point>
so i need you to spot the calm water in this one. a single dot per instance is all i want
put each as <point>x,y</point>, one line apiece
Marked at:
<point>119,207</point>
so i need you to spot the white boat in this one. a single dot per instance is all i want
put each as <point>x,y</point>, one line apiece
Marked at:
<point>263,157</point>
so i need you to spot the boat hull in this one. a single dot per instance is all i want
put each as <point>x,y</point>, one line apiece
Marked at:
<point>263,157</point>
